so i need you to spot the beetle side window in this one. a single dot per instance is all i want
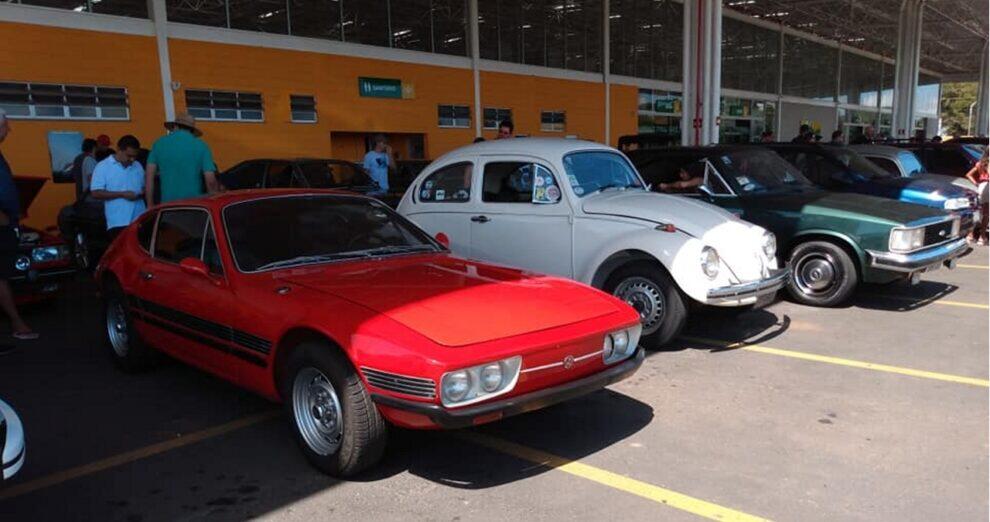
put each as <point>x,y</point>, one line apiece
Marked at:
<point>244,176</point>
<point>512,181</point>
<point>451,184</point>
<point>180,234</point>
<point>279,174</point>
<point>211,254</point>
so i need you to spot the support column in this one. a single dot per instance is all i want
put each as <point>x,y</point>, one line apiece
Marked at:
<point>702,72</point>
<point>475,58</point>
<point>606,70</point>
<point>983,96</point>
<point>906,67</point>
<point>156,8</point>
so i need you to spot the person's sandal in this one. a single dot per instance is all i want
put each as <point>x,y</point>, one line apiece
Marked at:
<point>25,336</point>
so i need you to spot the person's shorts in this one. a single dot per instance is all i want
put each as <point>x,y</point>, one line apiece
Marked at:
<point>982,189</point>
<point>9,249</point>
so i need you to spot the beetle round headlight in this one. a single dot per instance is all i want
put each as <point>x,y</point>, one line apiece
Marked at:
<point>456,385</point>
<point>769,244</point>
<point>709,262</point>
<point>491,377</point>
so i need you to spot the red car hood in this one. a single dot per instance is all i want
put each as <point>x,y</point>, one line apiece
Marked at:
<point>456,302</point>
<point>28,188</point>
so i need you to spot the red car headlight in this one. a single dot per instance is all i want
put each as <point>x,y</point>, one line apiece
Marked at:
<point>477,383</point>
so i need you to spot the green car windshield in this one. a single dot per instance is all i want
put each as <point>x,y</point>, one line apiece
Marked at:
<point>758,171</point>
<point>859,165</point>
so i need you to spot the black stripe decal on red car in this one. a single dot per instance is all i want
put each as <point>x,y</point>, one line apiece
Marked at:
<point>249,347</point>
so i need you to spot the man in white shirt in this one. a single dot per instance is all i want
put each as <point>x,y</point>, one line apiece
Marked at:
<point>378,162</point>
<point>119,181</point>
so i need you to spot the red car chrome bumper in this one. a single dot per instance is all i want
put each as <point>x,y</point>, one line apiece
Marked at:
<point>491,411</point>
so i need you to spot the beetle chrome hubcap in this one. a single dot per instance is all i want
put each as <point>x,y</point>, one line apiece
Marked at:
<point>646,297</point>
<point>317,411</point>
<point>815,274</point>
<point>117,327</point>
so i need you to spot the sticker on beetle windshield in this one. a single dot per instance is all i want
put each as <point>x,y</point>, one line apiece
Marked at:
<point>540,181</point>
<point>573,179</point>
<point>424,194</point>
<point>440,194</point>
<point>428,185</point>
<point>742,180</point>
<point>578,190</point>
<point>544,190</point>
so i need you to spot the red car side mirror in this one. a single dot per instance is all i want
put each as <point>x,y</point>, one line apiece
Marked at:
<point>443,239</point>
<point>193,266</point>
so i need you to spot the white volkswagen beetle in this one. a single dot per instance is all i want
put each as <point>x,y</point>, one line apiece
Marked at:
<point>579,209</point>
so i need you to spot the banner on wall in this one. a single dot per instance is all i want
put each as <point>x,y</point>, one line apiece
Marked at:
<point>63,147</point>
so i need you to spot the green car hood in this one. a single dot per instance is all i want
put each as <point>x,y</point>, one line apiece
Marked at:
<point>845,206</point>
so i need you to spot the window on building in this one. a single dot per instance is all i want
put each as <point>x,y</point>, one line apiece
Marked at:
<point>315,19</point>
<point>495,116</point>
<point>366,22</point>
<point>647,38</point>
<point>926,95</point>
<point>750,57</point>
<point>132,8</point>
<point>887,86</point>
<point>859,80</point>
<point>46,100</point>
<point>551,34</point>
<point>449,19</point>
<point>454,116</point>
<point>224,105</point>
<point>809,69</point>
<point>267,16</point>
<point>303,108</point>
<point>659,113</point>
<point>208,12</point>
<point>553,121</point>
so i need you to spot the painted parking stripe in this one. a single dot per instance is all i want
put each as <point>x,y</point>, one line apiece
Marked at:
<point>607,478</point>
<point>977,267</point>
<point>958,379</point>
<point>54,479</point>
<point>943,302</point>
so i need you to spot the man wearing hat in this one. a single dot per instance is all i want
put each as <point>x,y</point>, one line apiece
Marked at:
<point>103,149</point>
<point>182,161</point>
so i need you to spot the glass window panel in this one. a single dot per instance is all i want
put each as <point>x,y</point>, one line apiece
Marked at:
<point>533,29</point>
<point>488,29</point>
<point>366,21</point>
<point>809,69</point>
<point>926,96</point>
<point>79,95</point>
<point>16,110</point>
<point>114,112</point>
<point>495,116</point>
<point>411,25</point>
<point>646,38</point>
<point>82,112</point>
<point>268,16</point>
<point>315,19</point>
<point>132,8</point>
<point>200,12</point>
<point>49,111</point>
<point>449,26</point>
<point>14,93</point>
<point>555,17</point>
<point>583,38</point>
<point>749,57</point>
<point>859,80</point>
<point>887,86</point>
<point>47,94</point>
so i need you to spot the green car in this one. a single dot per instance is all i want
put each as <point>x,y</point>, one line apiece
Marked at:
<point>831,241</point>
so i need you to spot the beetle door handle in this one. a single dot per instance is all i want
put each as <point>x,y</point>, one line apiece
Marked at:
<point>147,276</point>
<point>480,219</point>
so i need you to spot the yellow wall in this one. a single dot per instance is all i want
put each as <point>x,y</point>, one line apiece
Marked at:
<point>46,54</point>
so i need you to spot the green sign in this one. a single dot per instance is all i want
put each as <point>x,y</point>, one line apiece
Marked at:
<point>667,104</point>
<point>380,87</point>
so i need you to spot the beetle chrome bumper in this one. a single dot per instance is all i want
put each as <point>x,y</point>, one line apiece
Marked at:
<point>486,412</point>
<point>921,260</point>
<point>778,278</point>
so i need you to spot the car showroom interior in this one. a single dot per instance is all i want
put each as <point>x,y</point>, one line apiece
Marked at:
<point>639,260</point>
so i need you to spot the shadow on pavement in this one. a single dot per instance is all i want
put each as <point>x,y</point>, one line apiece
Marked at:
<point>901,296</point>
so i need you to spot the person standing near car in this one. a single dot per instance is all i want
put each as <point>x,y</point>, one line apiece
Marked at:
<point>119,182</point>
<point>183,163</point>
<point>378,162</point>
<point>83,166</point>
<point>10,213</point>
<point>981,178</point>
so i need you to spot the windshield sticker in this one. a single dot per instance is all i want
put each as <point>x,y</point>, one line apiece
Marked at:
<point>726,160</point>
<point>573,180</point>
<point>428,185</point>
<point>424,194</point>
<point>578,190</point>
<point>440,195</point>
<point>742,180</point>
<point>543,189</point>
<point>539,181</point>
<point>749,187</point>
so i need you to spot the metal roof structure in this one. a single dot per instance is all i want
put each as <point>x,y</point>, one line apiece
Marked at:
<point>954,31</point>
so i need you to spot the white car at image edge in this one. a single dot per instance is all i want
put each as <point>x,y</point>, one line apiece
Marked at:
<point>580,210</point>
<point>12,440</point>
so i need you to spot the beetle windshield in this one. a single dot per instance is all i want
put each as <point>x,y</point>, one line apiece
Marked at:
<point>910,163</point>
<point>333,174</point>
<point>758,171</point>
<point>279,232</point>
<point>598,170</point>
<point>859,165</point>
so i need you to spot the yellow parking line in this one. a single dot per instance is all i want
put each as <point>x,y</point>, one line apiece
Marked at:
<point>131,456</point>
<point>843,362</point>
<point>612,480</point>
<point>945,302</point>
<point>978,267</point>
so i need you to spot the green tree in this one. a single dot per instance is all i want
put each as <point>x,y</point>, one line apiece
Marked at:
<point>956,100</point>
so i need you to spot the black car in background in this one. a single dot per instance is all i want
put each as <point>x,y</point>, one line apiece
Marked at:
<point>303,173</point>
<point>949,158</point>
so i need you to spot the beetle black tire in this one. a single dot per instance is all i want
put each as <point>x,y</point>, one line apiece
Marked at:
<point>134,354</point>
<point>822,274</point>
<point>363,430</point>
<point>673,308</point>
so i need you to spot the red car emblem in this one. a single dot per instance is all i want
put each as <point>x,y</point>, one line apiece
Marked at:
<point>568,362</point>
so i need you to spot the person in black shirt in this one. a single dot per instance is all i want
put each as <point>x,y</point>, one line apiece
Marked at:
<point>10,212</point>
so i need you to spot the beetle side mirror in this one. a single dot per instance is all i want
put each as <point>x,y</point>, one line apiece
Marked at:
<point>195,266</point>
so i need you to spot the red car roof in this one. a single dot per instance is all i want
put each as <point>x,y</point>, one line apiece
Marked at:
<point>222,199</point>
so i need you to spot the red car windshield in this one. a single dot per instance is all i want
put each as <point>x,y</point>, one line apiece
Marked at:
<point>284,231</point>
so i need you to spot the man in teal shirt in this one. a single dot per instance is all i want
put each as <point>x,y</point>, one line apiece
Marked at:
<point>183,163</point>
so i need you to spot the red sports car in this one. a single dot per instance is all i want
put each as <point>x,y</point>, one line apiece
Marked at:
<point>354,318</point>
<point>43,263</point>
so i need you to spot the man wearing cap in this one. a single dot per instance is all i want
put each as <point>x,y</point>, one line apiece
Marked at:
<point>10,213</point>
<point>182,161</point>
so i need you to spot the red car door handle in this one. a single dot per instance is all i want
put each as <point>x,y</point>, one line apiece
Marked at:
<point>147,276</point>
<point>480,219</point>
